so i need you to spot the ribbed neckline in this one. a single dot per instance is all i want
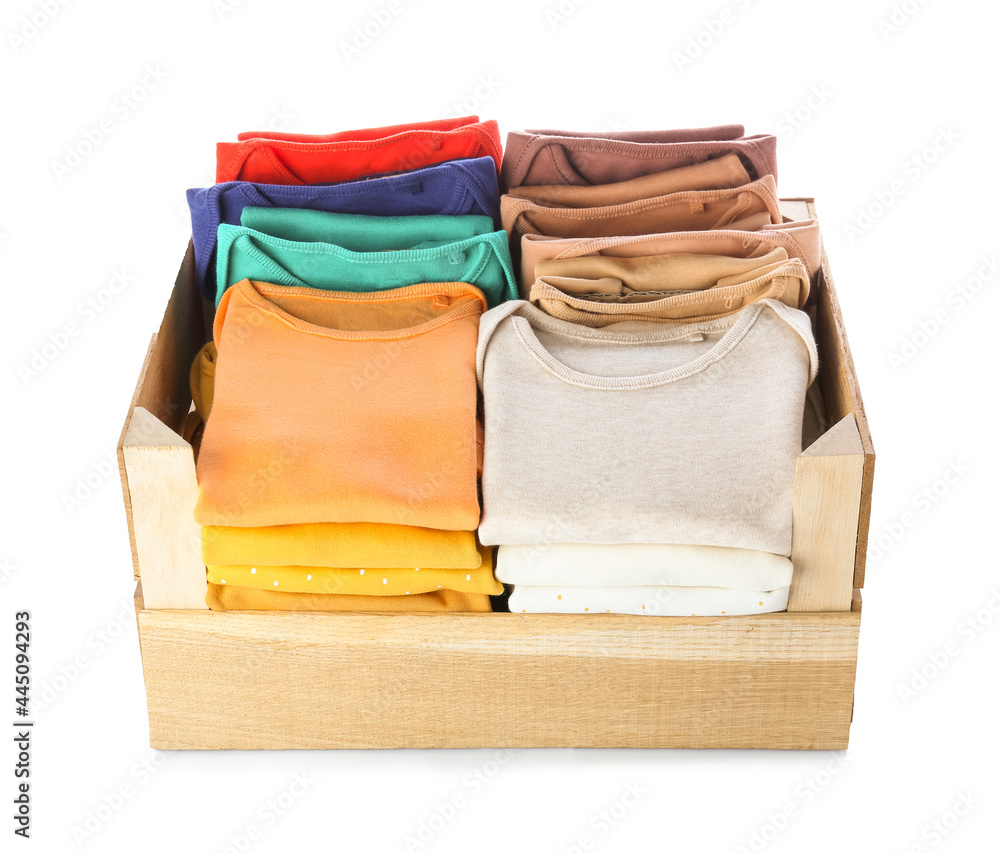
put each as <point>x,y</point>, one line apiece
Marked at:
<point>734,328</point>
<point>791,268</point>
<point>255,294</point>
<point>489,242</point>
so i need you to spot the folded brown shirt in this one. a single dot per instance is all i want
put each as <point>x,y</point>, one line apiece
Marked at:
<point>725,172</point>
<point>739,208</point>
<point>566,157</point>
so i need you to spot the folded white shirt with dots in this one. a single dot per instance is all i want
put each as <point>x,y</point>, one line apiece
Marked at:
<point>647,600</point>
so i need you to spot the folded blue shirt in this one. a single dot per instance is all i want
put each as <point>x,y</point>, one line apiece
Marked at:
<point>455,187</point>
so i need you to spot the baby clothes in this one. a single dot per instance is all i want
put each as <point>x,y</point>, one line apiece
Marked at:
<point>640,294</point>
<point>552,564</point>
<point>483,261</point>
<point>364,233</point>
<point>748,207</point>
<point>684,434</point>
<point>647,600</point>
<point>202,379</point>
<point>230,597</point>
<point>281,158</point>
<point>799,240</point>
<point>725,172</point>
<point>564,157</point>
<point>329,580</point>
<point>454,188</point>
<point>361,545</point>
<point>343,407</point>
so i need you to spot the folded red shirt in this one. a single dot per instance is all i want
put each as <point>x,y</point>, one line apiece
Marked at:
<point>293,159</point>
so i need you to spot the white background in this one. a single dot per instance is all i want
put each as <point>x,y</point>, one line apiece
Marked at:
<point>232,66</point>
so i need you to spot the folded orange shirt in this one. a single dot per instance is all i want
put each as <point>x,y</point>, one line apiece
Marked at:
<point>229,597</point>
<point>291,159</point>
<point>336,406</point>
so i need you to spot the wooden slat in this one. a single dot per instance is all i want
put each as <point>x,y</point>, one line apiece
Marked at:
<point>162,387</point>
<point>312,681</point>
<point>159,467</point>
<point>828,478</point>
<point>856,601</point>
<point>795,209</point>
<point>842,394</point>
<point>126,497</point>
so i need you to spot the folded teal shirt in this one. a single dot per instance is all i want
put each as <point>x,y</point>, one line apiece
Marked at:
<point>364,233</point>
<point>483,261</point>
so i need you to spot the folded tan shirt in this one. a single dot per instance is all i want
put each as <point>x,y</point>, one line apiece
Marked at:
<point>799,239</point>
<point>668,289</point>
<point>747,208</point>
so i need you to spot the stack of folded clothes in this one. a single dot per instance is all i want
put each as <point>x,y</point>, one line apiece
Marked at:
<point>613,361</point>
<point>339,461</point>
<point>644,400</point>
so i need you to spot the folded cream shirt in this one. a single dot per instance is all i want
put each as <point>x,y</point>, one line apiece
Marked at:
<point>681,434</point>
<point>572,564</point>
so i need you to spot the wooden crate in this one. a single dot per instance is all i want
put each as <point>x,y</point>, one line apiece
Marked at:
<point>265,680</point>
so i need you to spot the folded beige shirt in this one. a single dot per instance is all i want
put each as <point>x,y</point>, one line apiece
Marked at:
<point>745,208</point>
<point>799,239</point>
<point>598,292</point>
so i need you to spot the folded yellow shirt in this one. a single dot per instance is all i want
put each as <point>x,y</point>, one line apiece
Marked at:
<point>238,598</point>
<point>203,379</point>
<point>348,545</point>
<point>336,581</point>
